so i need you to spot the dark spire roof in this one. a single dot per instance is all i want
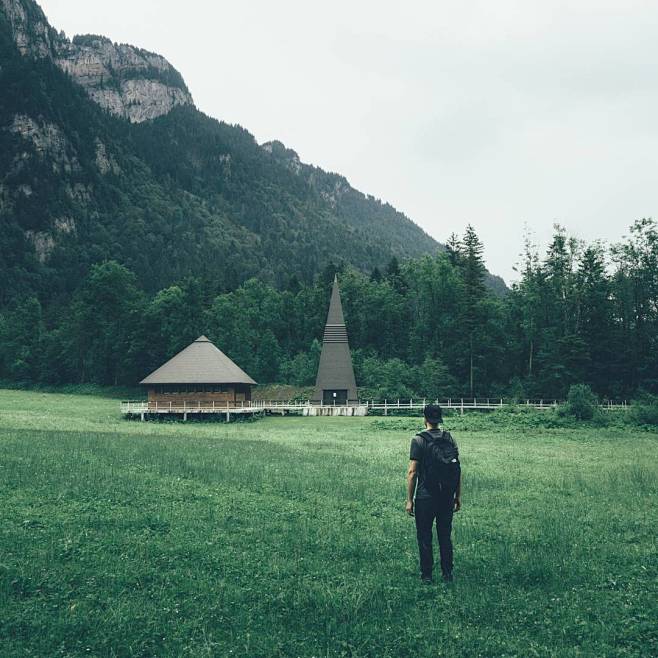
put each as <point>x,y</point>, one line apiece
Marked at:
<point>199,363</point>
<point>335,371</point>
<point>335,315</point>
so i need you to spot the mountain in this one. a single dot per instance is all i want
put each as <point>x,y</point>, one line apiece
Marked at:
<point>104,155</point>
<point>126,81</point>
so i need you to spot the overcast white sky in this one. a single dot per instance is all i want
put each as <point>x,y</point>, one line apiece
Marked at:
<point>494,113</point>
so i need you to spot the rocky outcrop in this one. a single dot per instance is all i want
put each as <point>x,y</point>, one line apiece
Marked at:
<point>284,155</point>
<point>106,163</point>
<point>126,81</point>
<point>331,187</point>
<point>49,142</point>
<point>30,29</point>
<point>332,194</point>
<point>46,143</point>
<point>44,242</point>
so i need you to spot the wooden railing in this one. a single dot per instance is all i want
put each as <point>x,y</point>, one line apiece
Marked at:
<point>465,404</point>
<point>186,406</point>
<point>459,404</point>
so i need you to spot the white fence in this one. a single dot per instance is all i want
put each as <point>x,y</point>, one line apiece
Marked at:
<point>386,406</point>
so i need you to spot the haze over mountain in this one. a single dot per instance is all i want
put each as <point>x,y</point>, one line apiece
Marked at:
<point>104,155</point>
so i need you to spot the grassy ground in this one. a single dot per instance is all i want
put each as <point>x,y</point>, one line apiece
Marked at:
<point>287,537</point>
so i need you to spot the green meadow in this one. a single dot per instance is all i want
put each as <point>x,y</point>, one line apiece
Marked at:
<point>287,537</point>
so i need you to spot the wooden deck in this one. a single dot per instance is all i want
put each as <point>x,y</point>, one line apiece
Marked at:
<point>145,409</point>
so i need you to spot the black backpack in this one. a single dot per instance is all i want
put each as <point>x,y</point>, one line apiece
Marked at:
<point>440,462</point>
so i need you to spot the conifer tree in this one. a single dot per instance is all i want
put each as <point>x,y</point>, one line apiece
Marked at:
<point>473,274</point>
<point>376,276</point>
<point>454,249</point>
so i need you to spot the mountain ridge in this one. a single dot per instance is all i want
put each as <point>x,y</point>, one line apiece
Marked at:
<point>104,155</point>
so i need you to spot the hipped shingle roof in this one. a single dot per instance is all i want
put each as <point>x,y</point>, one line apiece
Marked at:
<point>199,363</point>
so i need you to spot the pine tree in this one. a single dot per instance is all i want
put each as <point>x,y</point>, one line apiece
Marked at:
<point>595,315</point>
<point>473,274</point>
<point>454,249</point>
<point>529,288</point>
<point>395,276</point>
<point>376,276</point>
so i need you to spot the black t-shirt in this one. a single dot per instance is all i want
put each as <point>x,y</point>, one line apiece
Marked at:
<point>417,452</point>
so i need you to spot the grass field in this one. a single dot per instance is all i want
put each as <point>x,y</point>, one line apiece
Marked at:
<point>287,537</point>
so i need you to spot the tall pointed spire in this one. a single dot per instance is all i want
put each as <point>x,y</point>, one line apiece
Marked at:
<point>335,382</point>
<point>335,315</point>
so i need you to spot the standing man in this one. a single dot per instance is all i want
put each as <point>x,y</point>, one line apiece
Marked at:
<point>434,476</point>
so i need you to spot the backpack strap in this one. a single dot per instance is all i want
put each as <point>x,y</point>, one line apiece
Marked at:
<point>428,438</point>
<point>427,435</point>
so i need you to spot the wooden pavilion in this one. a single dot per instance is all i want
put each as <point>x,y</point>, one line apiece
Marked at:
<point>201,375</point>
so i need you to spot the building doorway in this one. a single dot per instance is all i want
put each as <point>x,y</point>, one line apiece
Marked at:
<point>336,397</point>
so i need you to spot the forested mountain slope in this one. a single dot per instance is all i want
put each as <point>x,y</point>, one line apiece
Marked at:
<point>131,223</point>
<point>103,155</point>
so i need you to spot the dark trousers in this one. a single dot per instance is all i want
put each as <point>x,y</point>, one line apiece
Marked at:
<point>427,510</point>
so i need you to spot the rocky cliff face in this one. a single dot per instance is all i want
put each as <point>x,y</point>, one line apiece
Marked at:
<point>33,35</point>
<point>124,80</point>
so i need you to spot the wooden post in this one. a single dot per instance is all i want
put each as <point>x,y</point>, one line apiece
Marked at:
<point>385,407</point>
<point>462,406</point>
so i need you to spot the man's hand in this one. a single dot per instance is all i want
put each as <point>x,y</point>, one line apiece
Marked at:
<point>458,503</point>
<point>412,475</point>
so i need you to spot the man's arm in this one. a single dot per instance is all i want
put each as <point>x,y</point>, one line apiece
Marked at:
<point>412,476</point>
<point>458,494</point>
<point>458,491</point>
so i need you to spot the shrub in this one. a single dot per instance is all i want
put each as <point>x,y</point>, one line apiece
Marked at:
<point>582,403</point>
<point>516,391</point>
<point>644,411</point>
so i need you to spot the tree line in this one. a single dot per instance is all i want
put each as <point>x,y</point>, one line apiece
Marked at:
<point>424,327</point>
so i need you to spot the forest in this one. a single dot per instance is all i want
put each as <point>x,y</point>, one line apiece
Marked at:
<point>427,326</point>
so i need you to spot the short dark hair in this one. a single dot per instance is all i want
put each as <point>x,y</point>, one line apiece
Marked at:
<point>433,414</point>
